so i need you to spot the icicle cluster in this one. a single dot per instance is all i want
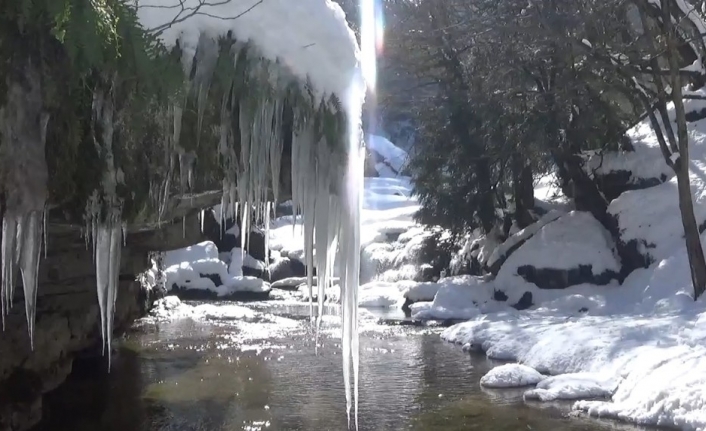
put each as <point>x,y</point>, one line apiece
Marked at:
<point>24,183</point>
<point>104,229</point>
<point>326,177</point>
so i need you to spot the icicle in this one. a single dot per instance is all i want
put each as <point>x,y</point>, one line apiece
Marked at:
<point>44,229</point>
<point>123,228</point>
<point>107,277</point>
<point>23,126</point>
<point>113,279</point>
<point>102,274</point>
<point>244,228</point>
<point>267,233</point>
<point>7,288</point>
<point>202,218</point>
<point>30,229</point>
<point>183,227</point>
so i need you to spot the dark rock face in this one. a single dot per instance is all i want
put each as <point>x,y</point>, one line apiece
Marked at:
<point>525,302</point>
<point>67,322</point>
<point>426,273</point>
<point>551,278</point>
<point>256,245</point>
<point>68,317</point>
<point>255,272</point>
<point>500,296</point>
<point>286,268</point>
<point>207,295</point>
<point>615,183</point>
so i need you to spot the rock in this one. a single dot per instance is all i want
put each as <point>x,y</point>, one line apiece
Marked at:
<point>582,252</point>
<point>286,268</point>
<point>226,242</point>
<point>67,320</point>
<point>256,245</point>
<point>426,273</point>
<point>550,278</point>
<point>499,295</point>
<point>511,376</point>
<point>255,272</point>
<point>615,183</point>
<point>209,295</point>
<point>525,302</point>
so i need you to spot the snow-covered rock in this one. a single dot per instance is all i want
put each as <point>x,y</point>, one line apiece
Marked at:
<point>197,272</point>
<point>388,159</point>
<point>379,294</point>
<point>571,387</point>
<point>574,249</point>
<point>511,376</point>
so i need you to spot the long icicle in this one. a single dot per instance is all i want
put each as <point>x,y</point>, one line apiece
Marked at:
<point>7,278</point>
<point>30,252</point>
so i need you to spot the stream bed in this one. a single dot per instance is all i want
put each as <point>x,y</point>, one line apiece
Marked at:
<point>257,366</point>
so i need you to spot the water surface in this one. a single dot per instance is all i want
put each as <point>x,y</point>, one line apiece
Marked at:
<point>268,374</point>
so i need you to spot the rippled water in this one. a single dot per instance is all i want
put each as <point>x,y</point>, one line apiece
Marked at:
<point>267,374</point>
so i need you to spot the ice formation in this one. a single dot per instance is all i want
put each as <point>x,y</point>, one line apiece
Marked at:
<point>324,60</point>
<point>24,171</point>
<point>103,216</point>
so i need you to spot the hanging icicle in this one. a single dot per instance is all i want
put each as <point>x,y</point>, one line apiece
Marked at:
<point>23,125</point>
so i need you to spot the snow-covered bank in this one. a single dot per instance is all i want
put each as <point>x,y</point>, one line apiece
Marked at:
<point>654,365</point>
<point>641,345</point>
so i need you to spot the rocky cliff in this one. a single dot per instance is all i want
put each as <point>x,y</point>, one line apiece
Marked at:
<point>68,318</point>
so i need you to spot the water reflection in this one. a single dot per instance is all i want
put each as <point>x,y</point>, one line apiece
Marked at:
<point>196,376</point>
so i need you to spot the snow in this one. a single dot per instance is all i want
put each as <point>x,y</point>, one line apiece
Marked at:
<point>419,307</point>
<point>647,160</point>
<point>644,346</point>
<point>571,387</point>
<point>185,268</point>
<point>394,158</point>
<point>569,241</point>
<point>289,282</point>
<point>548,194</point>
<point>200,251</point>
<point>388,208</point>
<point>457,298</point>
<point>380,295</point>
<point>522,235</point>
<point>511,376</point>
<point>419,292</point>
<point>326,53</point>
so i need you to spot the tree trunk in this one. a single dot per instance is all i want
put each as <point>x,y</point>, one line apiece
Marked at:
<point>486,208</point>
<point>523,191</point>
<point>695,252</point>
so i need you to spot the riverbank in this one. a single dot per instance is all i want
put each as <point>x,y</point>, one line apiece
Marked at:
<point>650,367</point>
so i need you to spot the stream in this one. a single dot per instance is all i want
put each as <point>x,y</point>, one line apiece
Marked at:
<point>256,366</point>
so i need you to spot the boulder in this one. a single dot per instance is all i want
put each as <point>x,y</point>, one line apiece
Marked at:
<point>570,250</point>
<point>286,268</point>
